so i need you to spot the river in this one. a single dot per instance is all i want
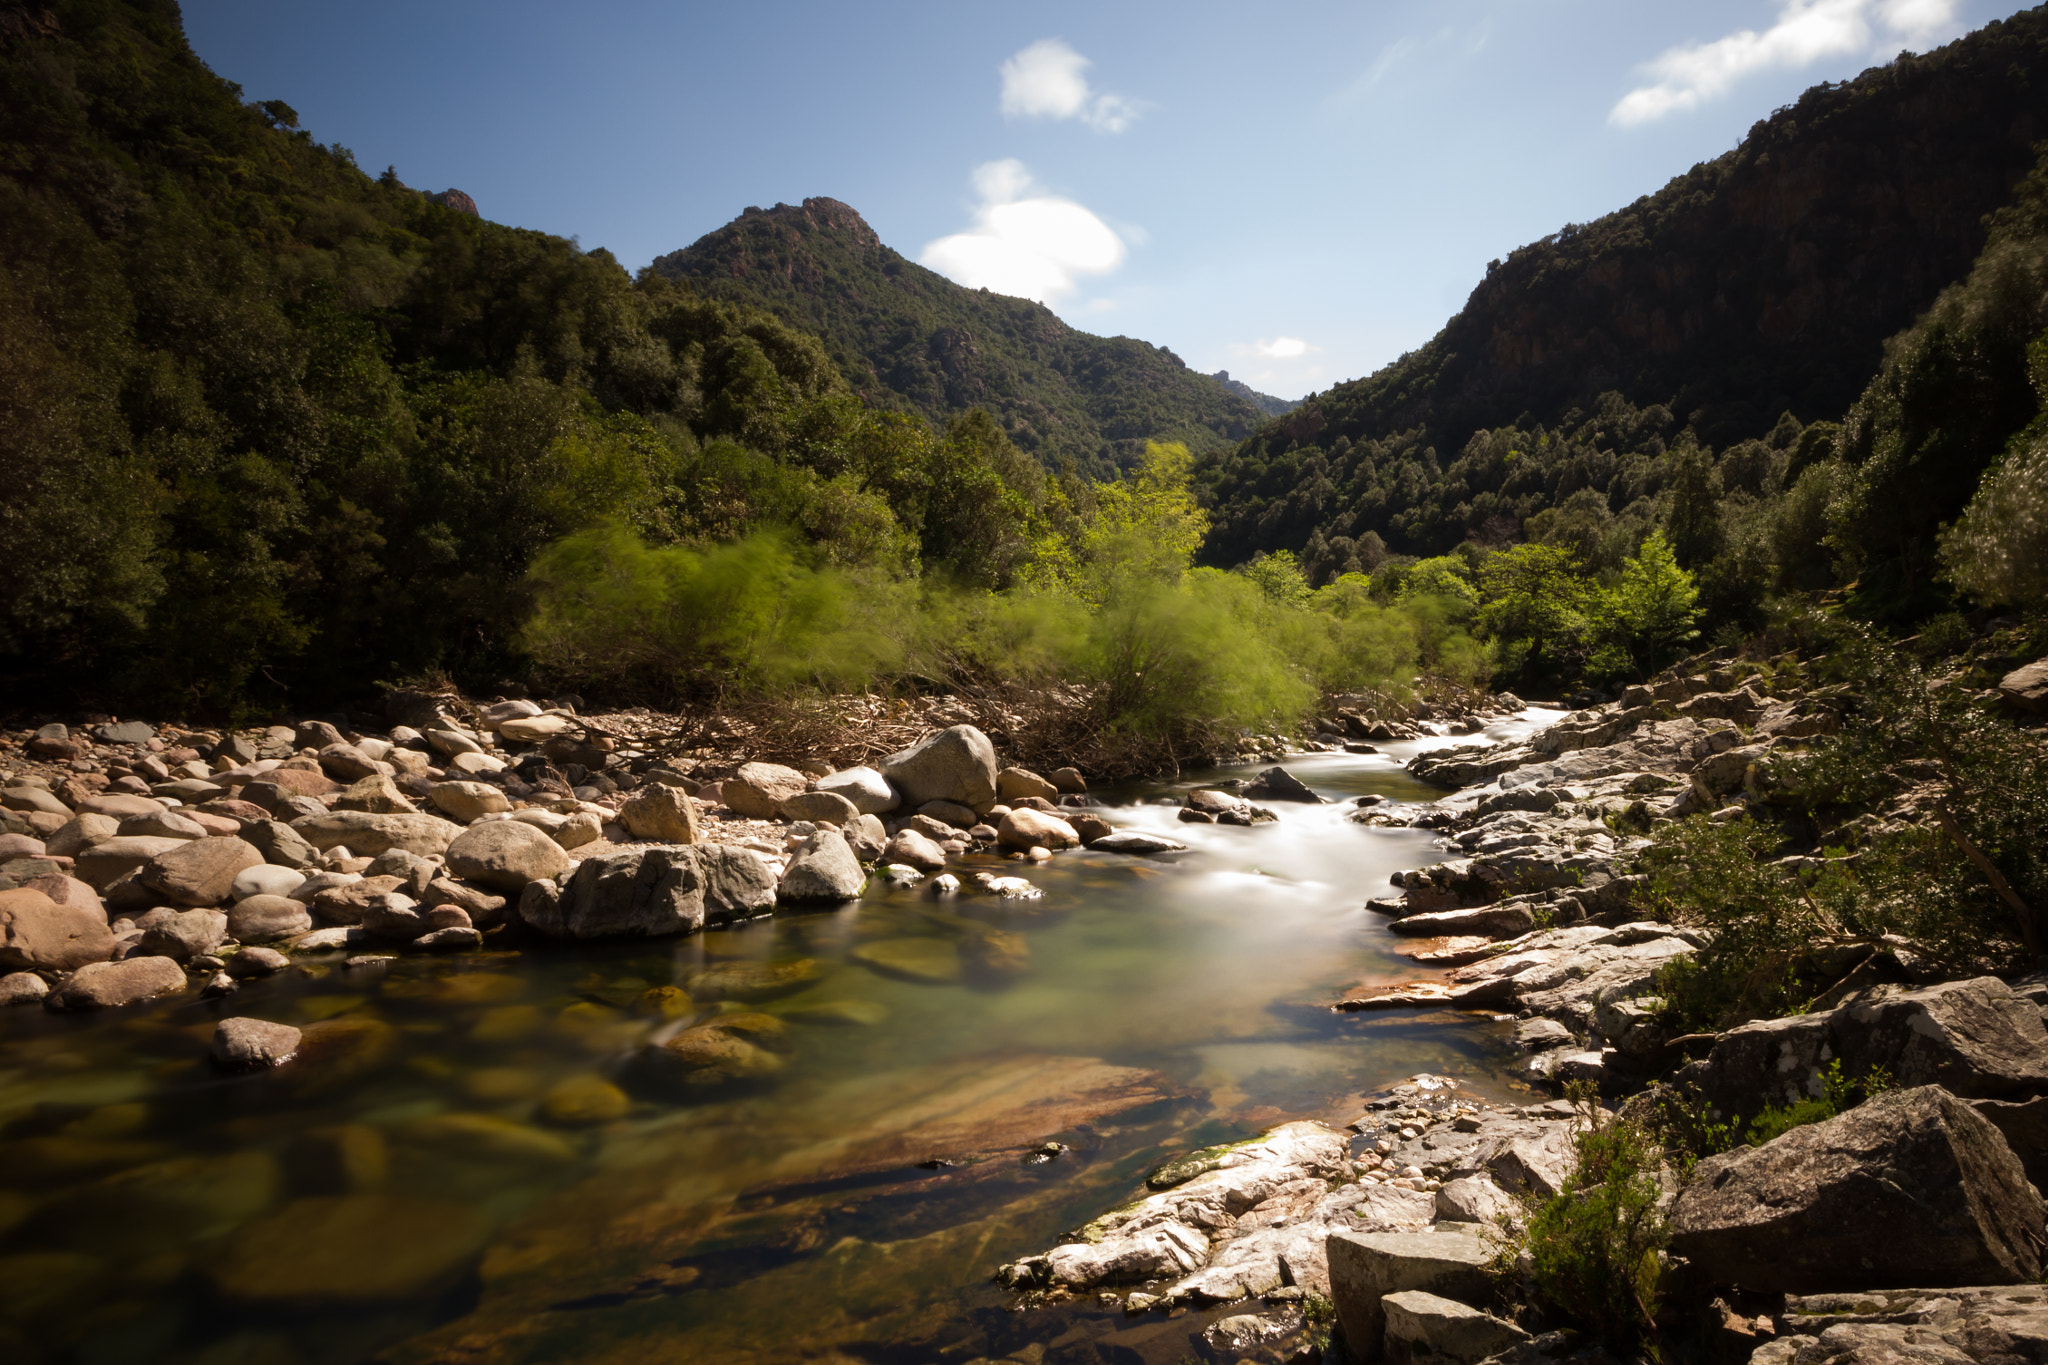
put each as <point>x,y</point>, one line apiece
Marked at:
<point>402,1192</point>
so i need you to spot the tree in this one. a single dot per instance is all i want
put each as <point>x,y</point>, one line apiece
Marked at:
<point>1648,617</point>
<point>1998,549</point>
<point>1695,520</point>
<point>1536,605</point>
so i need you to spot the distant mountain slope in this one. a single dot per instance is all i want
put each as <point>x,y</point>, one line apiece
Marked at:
<point>1264,402</point>
<point>1764,281</point>
<point>907,337</point>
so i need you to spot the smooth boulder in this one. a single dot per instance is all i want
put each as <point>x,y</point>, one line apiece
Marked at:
<point>109,985</point>
<point>242,1044</point>
<point>824,868</point>
<point>820,808</point>
<point>869,791</point>
<point>367,834</point>
<point>1911,1187</point>
<point>657,890</point>
<point>184,936</point>
<point>39,934</point>
<point>200,871</point>
<point>468,801</point>
<point>505,855</point>
<point>957,765</point>
<point>1026,828</point>
<point>758,788</point>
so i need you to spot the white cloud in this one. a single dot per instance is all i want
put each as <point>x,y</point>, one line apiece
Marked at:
<point>1277,364</point>
<point>1048,80</point>
<point>1807,31</point>
<point>1024,242</point>
<point>1282,348</point>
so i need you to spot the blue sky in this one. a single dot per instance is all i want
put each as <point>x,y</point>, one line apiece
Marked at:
<point>1297,192</point>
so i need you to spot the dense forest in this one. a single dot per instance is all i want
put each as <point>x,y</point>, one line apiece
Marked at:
<point>907,337</point>
<point>1761,284</point>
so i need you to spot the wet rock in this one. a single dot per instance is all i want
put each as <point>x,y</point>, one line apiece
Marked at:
<point>507,854</point>
<point>994,954</point>
<point>201,871</point>
<point>934,961</point>
<point>958,764</point>
<point>243,1044</point>
<point>1824,1206</point>
<point>661,889</point>
<point>1428,1329</point>
<point>822,869</point>
<point>1024,828</point>
<point>1486,921</point>
<point>579,1101</point>
<point>660,812</point>
<point>1089,828</point>
<point>1277,784</point>
<point>754,980</point>
<point>38,934</point>
<point>819,807</point>
<point>368,834</point>
<point>733,1047</point>
<point>22,988</point>
<point>254,962</point>
<point>348,1250</point>
<point>183,937</point>
<point>1137,842</point>
<point>915,850</point>
<point>757,789</point>
<point>109,985</point>
<point>867,789</point>
<point>1367,1267</point>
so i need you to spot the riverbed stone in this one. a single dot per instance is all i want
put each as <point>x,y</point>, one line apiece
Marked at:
<point>580,1101</point>
<point>109,985</point>
<point>163,824</point>
<point>1024,828</point>
<point>933,961</point>
<point>758,788</point>
<point>333,1251</point>
<point>956,764</point>
<point>201,871</point>
<point>1428,1329</point>
<point>657,890</point>
<point>1278,784</point>
<point>80,833</point>
<point>279,844</point>
<point>184,936</point>
<point>368,834</point>
<point>819,807</point>
<point>506,854</point>
<point>265,879</point>
<point>112,859</point>
<point>866,788</point>
<point>375,793</point>
<point>1012,783</point>
<point>1485,921</point>
<point>733,1047</point>
<point>1911,1187</point>
<point>662,813</point>
<point>244,1044</point>
<point>253,961</point>
<point>914,849</point>
<point>39,934</point>
<point>22,988</point>
<point>467,801</point>
<point>1135,842</point>
<point>822,869</point>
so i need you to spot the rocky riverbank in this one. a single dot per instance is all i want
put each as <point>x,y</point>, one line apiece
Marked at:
<point>1540,914</point>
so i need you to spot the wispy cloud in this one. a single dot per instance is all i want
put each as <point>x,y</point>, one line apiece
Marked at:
<point>1024,242</point>
<point>1049,80</point>
<point>1807,31</point>
<point>1278,363</point>
<point>1405,50</point>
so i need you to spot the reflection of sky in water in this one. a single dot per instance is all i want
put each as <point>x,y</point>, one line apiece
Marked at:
<point>1215,967</point>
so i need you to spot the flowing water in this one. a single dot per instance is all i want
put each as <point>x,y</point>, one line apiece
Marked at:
<point>409,1191</point>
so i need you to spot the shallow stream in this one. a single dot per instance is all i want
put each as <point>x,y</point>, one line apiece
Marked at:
<point>470,1166</point>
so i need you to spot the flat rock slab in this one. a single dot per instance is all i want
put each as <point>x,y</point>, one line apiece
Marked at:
<point>1422,1326</point>
<point>1367,1267</point>
<point>1983,1324</point>
<point>1138,843</point>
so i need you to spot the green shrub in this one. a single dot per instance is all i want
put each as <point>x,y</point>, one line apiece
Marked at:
<point>1595,1251</point>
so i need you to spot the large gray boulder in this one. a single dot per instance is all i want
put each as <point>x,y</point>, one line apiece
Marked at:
<point>956,765</point>
<point>1990,1325</point>
<point>1912,1187</point>
<point>2027,687</point>
<point>200,871</point>
<point>1974,1038</point>
<point>662,813</point>
<point>824,868</point>
<point>659,890</point>
<point>109,985</point>
<point>505,855</point>
<point>1365,1267</point>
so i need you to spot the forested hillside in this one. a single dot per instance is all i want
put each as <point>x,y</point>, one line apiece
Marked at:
<point>272,429</point>
<point>904,336</point>
<point>1761,284</point>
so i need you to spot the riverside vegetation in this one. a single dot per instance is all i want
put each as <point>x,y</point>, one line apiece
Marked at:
<point>286,437</point>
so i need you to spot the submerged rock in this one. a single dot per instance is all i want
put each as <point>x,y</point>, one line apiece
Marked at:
<point>345,1250</point>
<point>934,961</point>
